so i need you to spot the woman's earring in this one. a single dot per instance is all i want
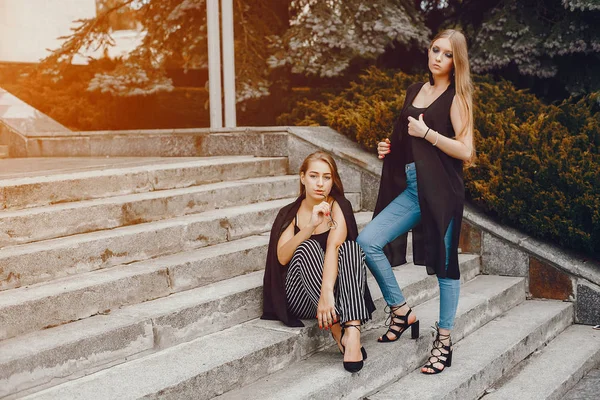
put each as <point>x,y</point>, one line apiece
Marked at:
<point>431,82</point>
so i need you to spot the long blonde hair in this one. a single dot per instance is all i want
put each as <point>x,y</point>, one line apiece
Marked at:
<point>337,187</point>
<point>462,77</point>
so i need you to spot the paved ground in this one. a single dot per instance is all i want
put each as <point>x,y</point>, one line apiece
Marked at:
<point>22,167</point>
<point>588,388</point>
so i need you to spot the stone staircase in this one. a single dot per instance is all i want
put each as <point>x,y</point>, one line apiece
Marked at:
<point>150,285</point>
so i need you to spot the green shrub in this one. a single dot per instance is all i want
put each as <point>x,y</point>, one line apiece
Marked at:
<point>364,111</point>
<point>537,167</point>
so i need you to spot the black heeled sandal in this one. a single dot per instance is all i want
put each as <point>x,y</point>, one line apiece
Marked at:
<point>353,366</point>
<point>403,325</point>
<point>438,355</point>
<point>362,349</point>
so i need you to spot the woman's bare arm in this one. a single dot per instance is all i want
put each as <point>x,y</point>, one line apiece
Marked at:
<point>461,147</point>
<point>335,239</point>
<point>288,242</point>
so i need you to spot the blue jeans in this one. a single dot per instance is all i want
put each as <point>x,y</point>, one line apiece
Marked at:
<point>400,216</point>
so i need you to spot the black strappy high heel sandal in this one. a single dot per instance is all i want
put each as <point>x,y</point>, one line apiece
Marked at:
<point>437,355</point>
<point>353,366</point>
<point>403,325</point>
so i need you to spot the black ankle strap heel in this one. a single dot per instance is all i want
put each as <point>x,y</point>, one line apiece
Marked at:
<point>353,366</point>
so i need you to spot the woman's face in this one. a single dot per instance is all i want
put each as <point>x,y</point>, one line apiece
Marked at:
<point>441,62</point>
<point>317,180</point>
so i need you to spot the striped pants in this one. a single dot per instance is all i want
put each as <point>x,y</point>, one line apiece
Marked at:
<point>305,275</point>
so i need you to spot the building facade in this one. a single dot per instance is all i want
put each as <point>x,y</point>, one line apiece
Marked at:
<point>30,28</point>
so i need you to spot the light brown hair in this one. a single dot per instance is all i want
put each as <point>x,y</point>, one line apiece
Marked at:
<point>462,78</point>
<point>337,187</point>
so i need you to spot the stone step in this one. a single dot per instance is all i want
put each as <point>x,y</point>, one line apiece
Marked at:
<point>190,142</point>
<point>555,369</point>
<point>66,352</point>
<point>4,152</point>
<point>229,359</point>
<point>70,299</point>
<point>586,388</point>
<point>26,192</point>
<point>48,222</point>
<point>55,258</point>
<point>153,325</point>
<point>323,376</point>
<point>484,356</point>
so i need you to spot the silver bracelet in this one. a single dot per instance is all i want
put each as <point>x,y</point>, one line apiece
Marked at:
<point>436,138</point>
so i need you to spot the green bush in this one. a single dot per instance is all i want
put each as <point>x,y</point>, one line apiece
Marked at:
<point>364,111</point>
<point>537,167</point>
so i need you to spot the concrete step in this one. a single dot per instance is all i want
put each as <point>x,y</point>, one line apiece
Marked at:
<point>41,223</point>
<point>153,325</point>
<point>66,352</point>
<point>587,388</point>
<point>52,259</point>
<point>27,192</point>
<point>228,358</point>
<point>322,375</point>
<point>4,151</point>
<point>191,142</point>
<point>70,299</point>
<point>555,369</point>
<point>483,357</point>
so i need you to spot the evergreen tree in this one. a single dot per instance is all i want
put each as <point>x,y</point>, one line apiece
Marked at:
<point>307,36</point>
<point>546,39</point>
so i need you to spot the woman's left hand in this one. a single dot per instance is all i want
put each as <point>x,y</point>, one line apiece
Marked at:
<point>326,310</point>
<point>417,127</point>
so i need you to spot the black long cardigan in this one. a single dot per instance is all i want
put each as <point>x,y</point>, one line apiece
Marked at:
<point>275,305</point>
<point>440,188</point>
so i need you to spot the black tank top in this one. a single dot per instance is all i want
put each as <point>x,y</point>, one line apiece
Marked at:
<point>321,238</point>
<point>410,111</point>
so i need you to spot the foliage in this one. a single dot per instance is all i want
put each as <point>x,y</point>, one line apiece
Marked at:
<point>539,170</point>
<point>324,36</point>
<point>174,36</point>
<point>538,166</point>
<point>364,111</point>
<point>557,39</point>
<point>313,37</point>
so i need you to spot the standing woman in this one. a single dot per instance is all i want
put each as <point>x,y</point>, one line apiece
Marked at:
<point>314,267</point>
<point>422,189</point>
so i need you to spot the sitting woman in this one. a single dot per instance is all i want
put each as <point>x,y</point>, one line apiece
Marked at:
<point>314,267</point>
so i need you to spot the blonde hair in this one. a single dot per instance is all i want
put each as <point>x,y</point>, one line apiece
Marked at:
<point>462,78</point>
<point>337,187</point>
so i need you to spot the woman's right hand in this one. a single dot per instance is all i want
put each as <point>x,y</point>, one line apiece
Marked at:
<point>383,148</point>
<point>319,212</point>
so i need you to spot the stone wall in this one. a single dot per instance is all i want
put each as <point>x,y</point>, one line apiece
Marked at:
<point>551,273</point>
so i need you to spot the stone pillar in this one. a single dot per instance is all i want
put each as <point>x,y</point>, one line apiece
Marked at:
<point>228,63</point>
<point>214,63</point>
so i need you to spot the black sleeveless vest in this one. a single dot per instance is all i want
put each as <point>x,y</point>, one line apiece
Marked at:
<point>440,187</point>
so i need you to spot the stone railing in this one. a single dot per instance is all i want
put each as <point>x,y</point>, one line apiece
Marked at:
<point>551,273</point>
<point>18,120</point>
